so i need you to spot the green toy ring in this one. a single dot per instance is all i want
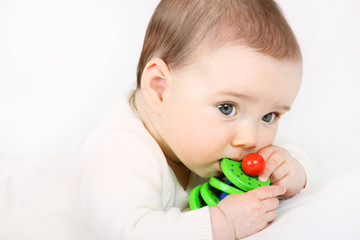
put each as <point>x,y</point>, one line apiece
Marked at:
<point>233,171</point>
<point>210,195</point>
<point>195,199</point>
<point>219,184</point>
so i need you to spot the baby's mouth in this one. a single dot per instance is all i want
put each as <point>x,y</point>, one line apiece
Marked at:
<point>220,174</point>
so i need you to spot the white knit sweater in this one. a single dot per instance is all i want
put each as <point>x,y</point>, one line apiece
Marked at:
<point>118,187</point>
<point>128,191</point>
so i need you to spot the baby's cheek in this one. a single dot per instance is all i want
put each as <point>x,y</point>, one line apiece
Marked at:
<point>267,138</point>
<point>198,142</point>
<point>197,152</point>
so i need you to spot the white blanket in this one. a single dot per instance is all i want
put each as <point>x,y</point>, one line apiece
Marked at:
<point>329,209</point>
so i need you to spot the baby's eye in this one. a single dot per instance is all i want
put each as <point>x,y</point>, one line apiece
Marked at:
<point>227,109</point>
<point>270,117</point>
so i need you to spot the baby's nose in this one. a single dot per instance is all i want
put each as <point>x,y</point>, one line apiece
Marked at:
<point>246,137</point>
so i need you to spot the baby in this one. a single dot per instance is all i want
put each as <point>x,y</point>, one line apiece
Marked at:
<point>214,77</point>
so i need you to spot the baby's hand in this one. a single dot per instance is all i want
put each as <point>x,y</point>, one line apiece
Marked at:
<point>283,170</point>
<point>241,215</point>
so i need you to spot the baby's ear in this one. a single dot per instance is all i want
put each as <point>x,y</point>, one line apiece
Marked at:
<point>154,81</point>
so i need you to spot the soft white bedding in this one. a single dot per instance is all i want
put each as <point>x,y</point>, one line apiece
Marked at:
<point>329,209</point>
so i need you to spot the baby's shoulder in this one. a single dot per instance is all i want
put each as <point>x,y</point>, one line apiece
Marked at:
<point>118,138</point>
<point>124,138</point>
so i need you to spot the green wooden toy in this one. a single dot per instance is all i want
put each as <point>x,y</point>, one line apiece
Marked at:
<point>234,172</point>
<point>222,186</point>
<point>195,199</point>
<point>210,192</point>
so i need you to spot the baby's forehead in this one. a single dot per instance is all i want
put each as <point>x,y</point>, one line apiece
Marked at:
<point>229,57</point>
<point>243,72</point>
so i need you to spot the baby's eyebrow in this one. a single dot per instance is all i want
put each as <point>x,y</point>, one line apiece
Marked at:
<point>285,108</point>
<point>239,95</point>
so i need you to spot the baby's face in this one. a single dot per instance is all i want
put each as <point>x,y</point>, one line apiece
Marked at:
<point>227,104</point>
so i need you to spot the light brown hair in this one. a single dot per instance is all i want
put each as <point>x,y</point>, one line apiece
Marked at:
<point>179,28</point>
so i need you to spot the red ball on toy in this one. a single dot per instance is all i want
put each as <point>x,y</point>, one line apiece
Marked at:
<point>253,164</point>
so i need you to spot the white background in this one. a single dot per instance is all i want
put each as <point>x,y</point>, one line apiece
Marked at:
<point>63,62</point>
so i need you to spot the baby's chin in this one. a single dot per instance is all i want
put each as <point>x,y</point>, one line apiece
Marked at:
<point>210,171</point>
<point>220,175</point>
<point>217,174</point>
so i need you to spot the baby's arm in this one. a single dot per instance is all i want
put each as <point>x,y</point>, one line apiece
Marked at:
<point>240,215</point>
<point>125,193</point>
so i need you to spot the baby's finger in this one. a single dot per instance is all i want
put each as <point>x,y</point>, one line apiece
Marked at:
<point>272,163</point>
<point>266,152</point>
<point>271,215</point>
<point>285,182</point>
<point>280,172</point>
<point>266,192</point>
<point>270,204</point>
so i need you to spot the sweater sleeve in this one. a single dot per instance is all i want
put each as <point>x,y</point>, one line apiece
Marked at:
<point>125,192</point>
<point>299,155</point>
